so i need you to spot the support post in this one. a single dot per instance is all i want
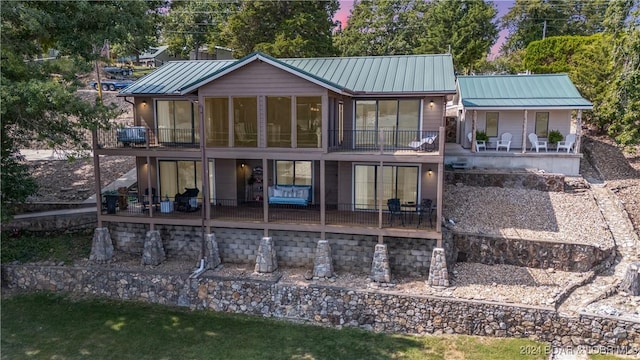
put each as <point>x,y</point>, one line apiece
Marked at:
<point>153,251</point>
<point>576,148</point>
<point>323,262</point>
<point>266,261</point>
<point>380,270</point>
<point>473,131</point>
<point>101,247</point>
<point>524,132</point>
<point>438,274</point>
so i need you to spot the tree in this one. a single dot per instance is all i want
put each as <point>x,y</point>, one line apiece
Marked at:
<point>530,20</point>
<point>281,28</point>
<point>39,100</point>
<point>464,28</point>
<point>382,27</point>
<point>190,24</point>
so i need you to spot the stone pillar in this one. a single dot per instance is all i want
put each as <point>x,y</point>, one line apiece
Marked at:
<point>101,247</point>
<point>266,262</point>
<point>323,262</point>
<point>212,254</point>
<point>380,271</point>
<point>438,274</point>
<point>631,281</point>
<point>153,252</point>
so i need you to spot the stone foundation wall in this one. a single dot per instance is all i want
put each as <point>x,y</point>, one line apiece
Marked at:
<point>515,180</point>
<point>351,253</point>
<point>67,223</point>
<point>537,254</point>
<point>338,307</point>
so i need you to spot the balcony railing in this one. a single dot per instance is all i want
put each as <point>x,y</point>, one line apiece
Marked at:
<point>385,140</point>
<point>144,137</point>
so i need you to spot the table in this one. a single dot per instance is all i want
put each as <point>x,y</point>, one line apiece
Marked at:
<point>409,209</point>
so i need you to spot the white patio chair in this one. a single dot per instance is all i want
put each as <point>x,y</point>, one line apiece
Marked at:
<point>480,144</point>
<point>537,144</point>
<point>504,142</point>
<point>567,143</point>
<point>426,143</point>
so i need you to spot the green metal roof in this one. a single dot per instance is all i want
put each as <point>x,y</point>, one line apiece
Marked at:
<point>368,75</point>
<point>520,91</point>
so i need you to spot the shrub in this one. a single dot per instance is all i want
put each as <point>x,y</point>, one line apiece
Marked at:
<point>554,137</point>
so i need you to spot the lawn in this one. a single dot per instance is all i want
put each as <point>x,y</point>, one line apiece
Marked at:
<point>33,247</point>
<point>49,326</point>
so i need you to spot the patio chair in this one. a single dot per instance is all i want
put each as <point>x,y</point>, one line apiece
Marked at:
<point>395,210</point>
<point>535,143</point>
<point>155,201</point>
<point>425,210</point>
<point>480,144</point>
<point>567,143</point>
<point>187,201</point>
<point>424,144</point>
<point>504,142</point>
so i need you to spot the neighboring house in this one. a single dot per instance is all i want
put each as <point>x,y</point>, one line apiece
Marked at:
<point>519,105</point>
<point>156,56</point>
<point>298,149</point>
<point>218,53</point>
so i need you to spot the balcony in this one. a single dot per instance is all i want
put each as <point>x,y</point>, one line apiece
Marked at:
<point>232,210</point>
<point>144,137</point>
<point>384,140</point>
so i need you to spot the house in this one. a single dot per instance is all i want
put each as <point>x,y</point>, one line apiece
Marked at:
<point>294,149</point>
<point>218,53</point>
<point>156,56</point>
<point>519,105</point>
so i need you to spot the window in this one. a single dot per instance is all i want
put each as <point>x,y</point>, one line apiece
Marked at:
<point>294,172</point>
<point>542,124</point>
<point>492,124</point>
<point>177,121</point>
<point>398,182</point>
<point>216,115</point>
<point>399,119</point>
<point>309,121</point>
<point>245,122</point>
<point>279,121</point>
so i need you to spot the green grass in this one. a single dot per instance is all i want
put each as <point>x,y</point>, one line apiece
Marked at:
<point>47,326</point>
<point>30,248</point>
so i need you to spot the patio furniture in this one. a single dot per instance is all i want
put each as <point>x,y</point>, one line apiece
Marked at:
<point>290,194</point>
<point>424,144</point>
<point>187,201</point>
<point>425,209</point>
<point>154,199</point>
<point>567,143</point>
<point>395,210</point>
<point>504,142</point>
<point>480,144</point>
<point>535,143</point>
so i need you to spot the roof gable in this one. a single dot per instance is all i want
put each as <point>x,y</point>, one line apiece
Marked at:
<point>520,91</point>
<point>393,75</point>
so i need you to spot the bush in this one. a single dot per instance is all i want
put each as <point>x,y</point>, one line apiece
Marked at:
<point>554,137</point>
<point>481,136</point>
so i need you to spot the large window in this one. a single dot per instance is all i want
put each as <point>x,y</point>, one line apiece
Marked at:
<point>397,182</point>
<point>309,121</point>
<point>216,115</point>
<point>294,172</point>
<point>176,175</point>
<point>177,121</point>
<point>492,124</point>
<point>279,121</point>
<point>245,122</point>
<point>398,119</point>
<point>542,124</point>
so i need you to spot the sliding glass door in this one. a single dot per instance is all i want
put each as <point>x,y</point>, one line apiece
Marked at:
<point>398,181</point>
<point>397,120</point>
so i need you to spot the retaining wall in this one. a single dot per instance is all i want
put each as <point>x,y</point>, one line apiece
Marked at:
<point>338,307</point>
<point>515,180</point>
<point>529,253</point>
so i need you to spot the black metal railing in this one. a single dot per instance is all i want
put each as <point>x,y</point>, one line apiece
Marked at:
<point>236,210</point>
<point>294,214</point>
<point>141,136</point>
<point>387,140</point>
<point>135,204</point>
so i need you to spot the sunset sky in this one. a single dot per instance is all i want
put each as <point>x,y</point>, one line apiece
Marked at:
<point>503,6</point>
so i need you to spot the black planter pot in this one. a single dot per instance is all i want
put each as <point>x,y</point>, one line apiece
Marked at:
<point>112,202</point>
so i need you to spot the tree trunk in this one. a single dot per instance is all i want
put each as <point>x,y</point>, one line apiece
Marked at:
<point>631,282</point>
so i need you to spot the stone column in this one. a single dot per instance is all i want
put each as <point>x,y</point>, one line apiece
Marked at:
<point>631,281</point>
<point>101,247</point>
<point>323,262</point>
<point>212,255</point>
<point>380,271</point>
<point>153,252</point>
<point>438,274</point>
<point>266,262</point>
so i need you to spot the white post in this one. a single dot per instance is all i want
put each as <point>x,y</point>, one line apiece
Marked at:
<point>524,132</point>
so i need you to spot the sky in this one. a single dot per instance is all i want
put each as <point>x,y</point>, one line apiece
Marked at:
<point>503,7</point>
